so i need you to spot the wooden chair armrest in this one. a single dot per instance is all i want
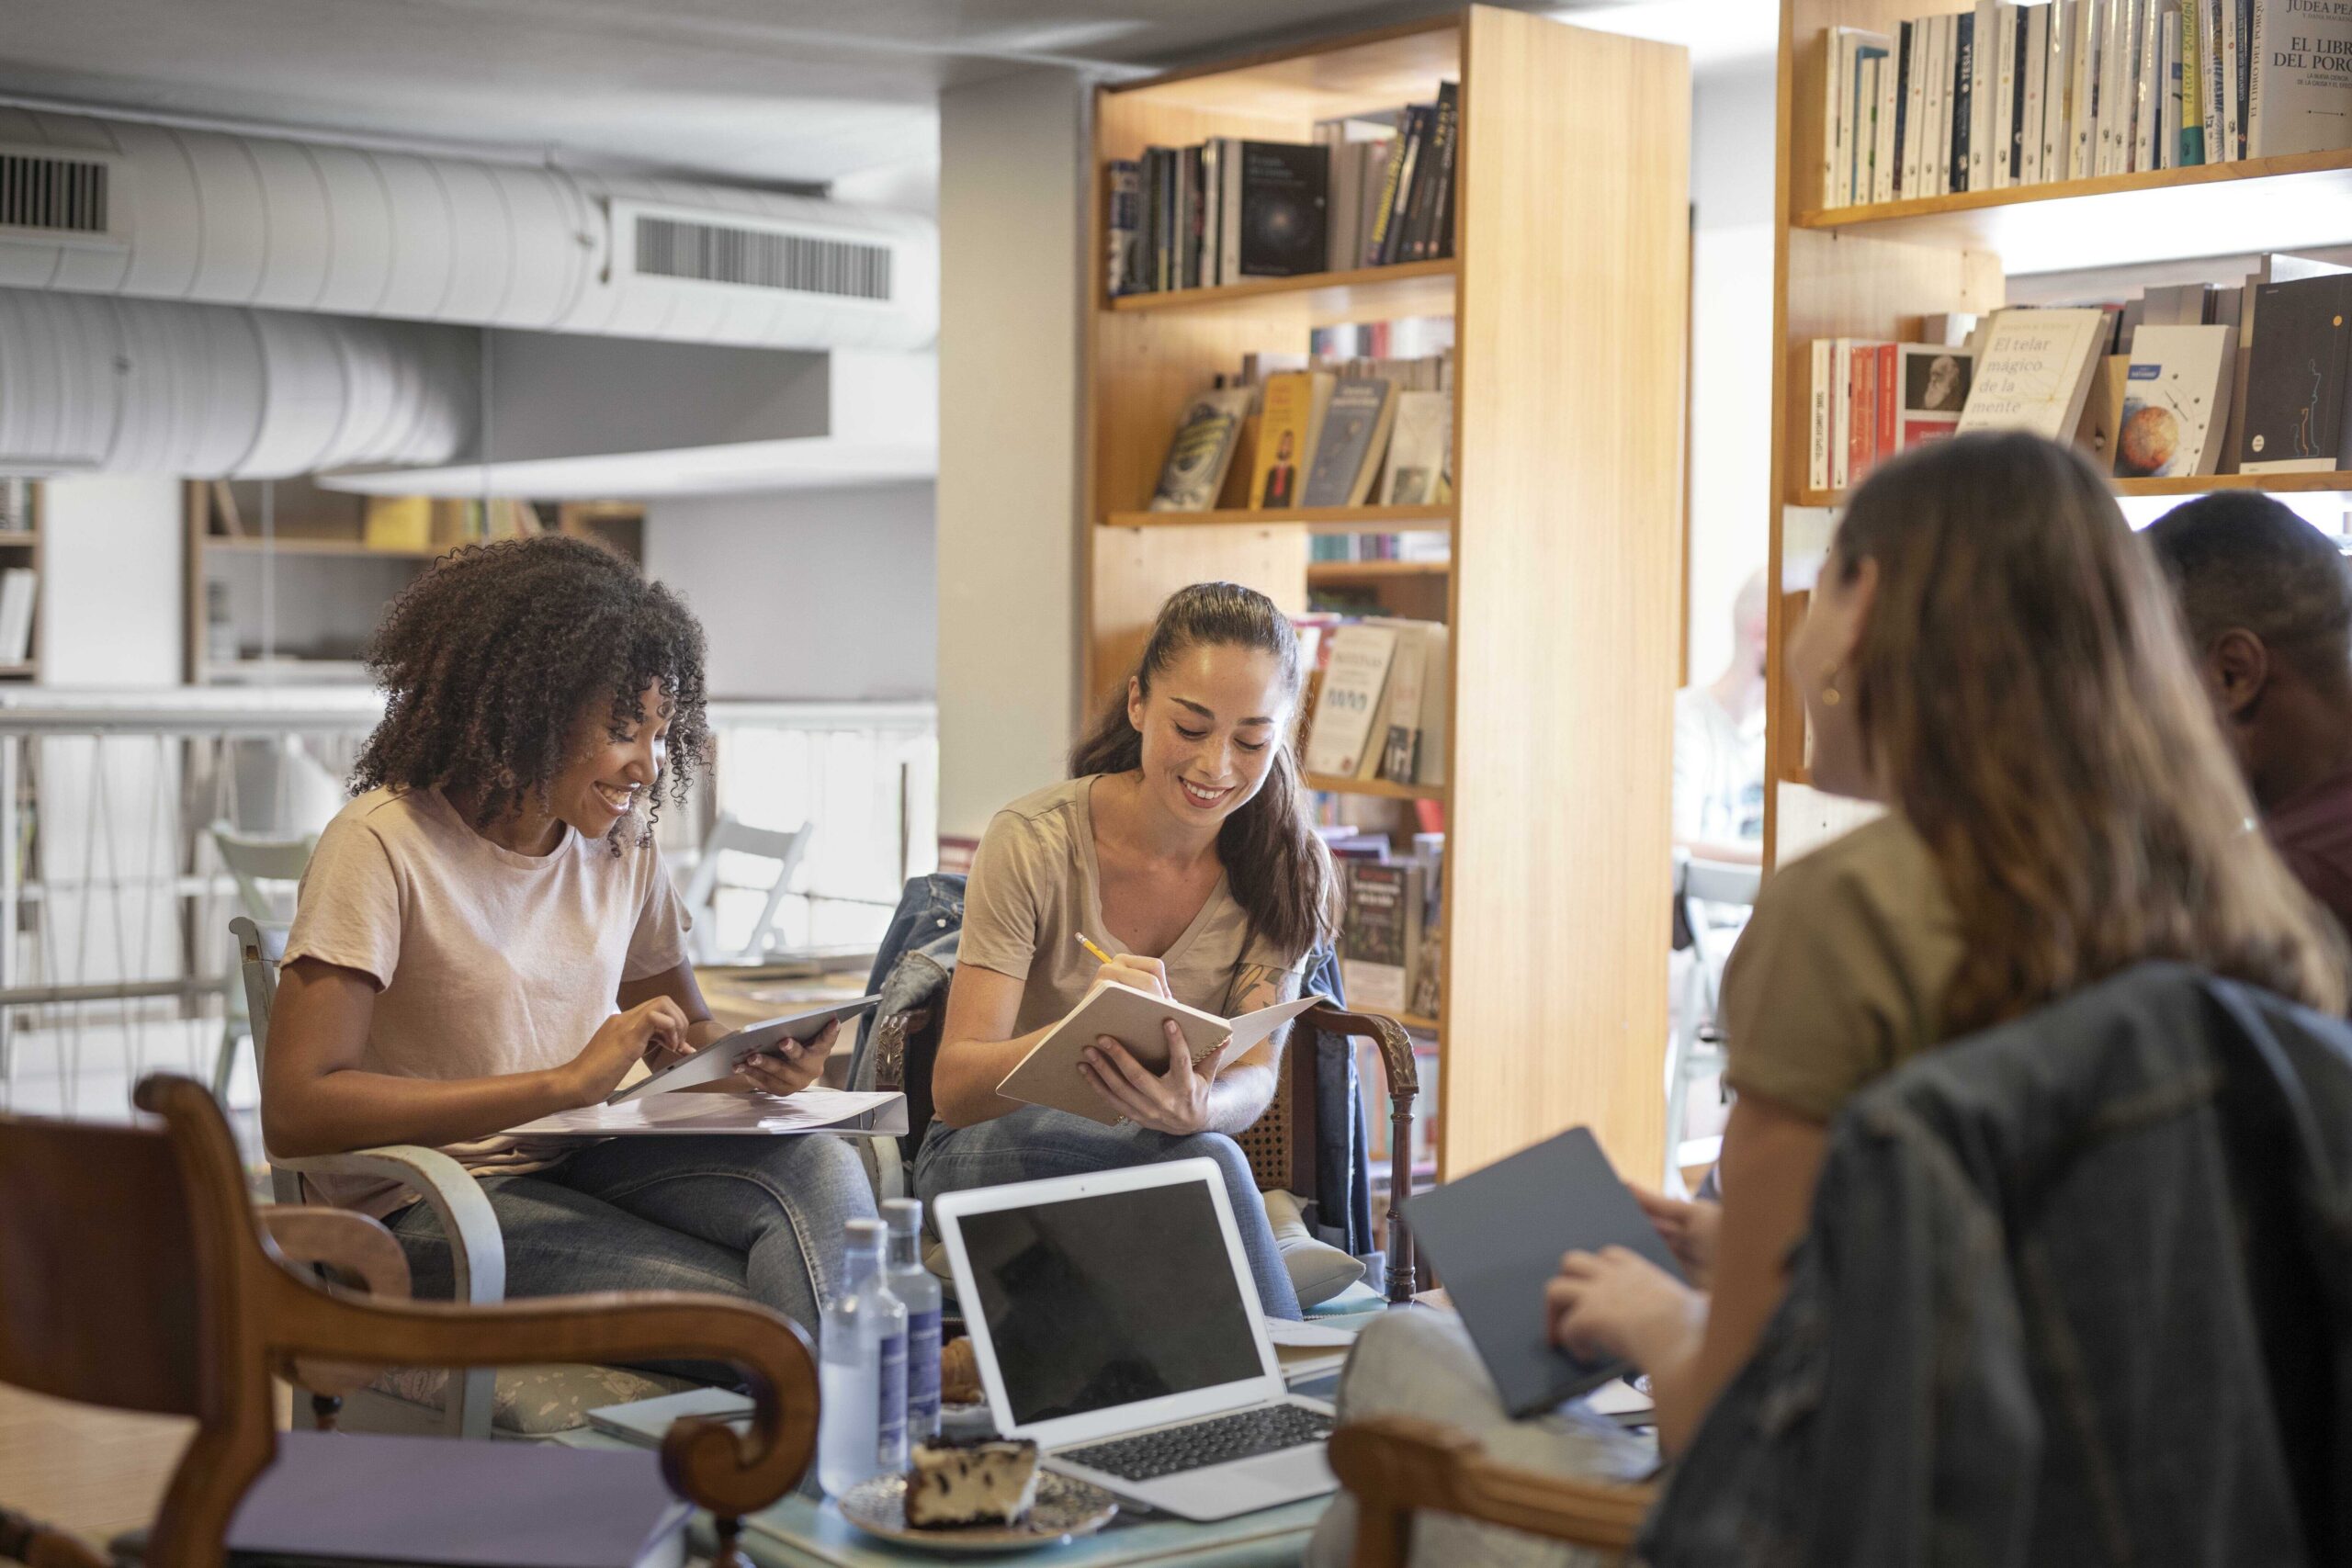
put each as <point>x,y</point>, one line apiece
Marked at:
<point>1394,1465</point>
<point>477,1250</point>
<point>38,1546</point>
<point>704,1460</point>
<point>1403,1087</point>
<point>350,1244</point>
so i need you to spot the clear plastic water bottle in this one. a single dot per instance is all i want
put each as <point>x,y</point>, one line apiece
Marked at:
<point>862,1430</point>
<point>914,1284</point>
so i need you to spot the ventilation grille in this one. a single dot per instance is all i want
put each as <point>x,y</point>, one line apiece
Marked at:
<point>758,258</point>
<point>65,196</point>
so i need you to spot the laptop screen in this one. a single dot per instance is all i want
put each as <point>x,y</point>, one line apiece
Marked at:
<point>1110,1299</point>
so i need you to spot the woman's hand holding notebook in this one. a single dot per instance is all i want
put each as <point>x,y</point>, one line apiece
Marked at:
<point>1049,1075</point>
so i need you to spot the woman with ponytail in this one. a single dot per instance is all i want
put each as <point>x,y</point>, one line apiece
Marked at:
<point>1179,846</point>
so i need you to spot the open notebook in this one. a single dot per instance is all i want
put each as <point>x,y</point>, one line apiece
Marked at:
<point>1049,1075</point>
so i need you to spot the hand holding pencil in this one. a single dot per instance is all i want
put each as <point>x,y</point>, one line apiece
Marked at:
<point>1129,969</point>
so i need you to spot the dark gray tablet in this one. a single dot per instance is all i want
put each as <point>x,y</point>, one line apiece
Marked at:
<point>1497,1237</point>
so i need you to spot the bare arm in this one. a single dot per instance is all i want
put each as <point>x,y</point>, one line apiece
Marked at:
<point>317,1099</point>
<point>978,1048</point>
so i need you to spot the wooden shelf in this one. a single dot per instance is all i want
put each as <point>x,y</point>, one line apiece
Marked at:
<point>2251,205</point>
<point>1417,1023</point>
<point>1384,789</point>
<point>1407,288</point>
<point>19,672</point>
<point>2338,482</point>
<point>24,539</point>
<point>246,544</point>
<point>1314,519</point>
<point>1371,573</point>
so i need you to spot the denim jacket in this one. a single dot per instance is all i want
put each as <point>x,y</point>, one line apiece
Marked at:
<point>2076,1290</point>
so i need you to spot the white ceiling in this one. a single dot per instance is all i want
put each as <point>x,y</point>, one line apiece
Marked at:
<point>770,91</point>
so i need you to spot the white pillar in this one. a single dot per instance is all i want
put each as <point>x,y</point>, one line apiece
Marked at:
<point>1011,202</point>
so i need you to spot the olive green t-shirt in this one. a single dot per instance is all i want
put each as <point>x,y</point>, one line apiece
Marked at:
<point>1841,973</point>
<point>1035,885</point>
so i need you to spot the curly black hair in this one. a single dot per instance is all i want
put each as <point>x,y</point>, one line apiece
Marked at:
<point>487,659</point>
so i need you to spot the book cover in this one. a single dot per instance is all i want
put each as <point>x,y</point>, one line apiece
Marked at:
<point>1448,108</point>
<point>1291,418</point>
<point>1203,450</point>
<point>1399,731</point>
<point>2102,419</point>
<point>2302,77</point>
<point>1355,434</point>
<point>1355,674</point>
<point>1282,212</point>
<point>2176,400</point>
<point>2294,395</point>
<point>1380,935</point>
<point>1383,207</point>
<point>2033,371</point>
<point>1408,152</point>
<point>1420,450</point>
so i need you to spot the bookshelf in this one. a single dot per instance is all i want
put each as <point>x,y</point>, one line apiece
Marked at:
<point>1870,271</point>
<point>1568,288</point>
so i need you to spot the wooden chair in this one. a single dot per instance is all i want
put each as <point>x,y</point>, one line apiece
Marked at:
<point>142,1279</point>
<point>1397,1465</point>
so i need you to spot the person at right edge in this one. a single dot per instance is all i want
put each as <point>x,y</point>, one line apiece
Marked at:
<point>2267,599</point>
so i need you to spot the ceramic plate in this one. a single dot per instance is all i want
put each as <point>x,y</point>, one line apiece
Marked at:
<point>1066,1507</point>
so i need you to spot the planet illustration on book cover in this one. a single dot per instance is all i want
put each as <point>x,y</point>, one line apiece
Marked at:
<point>2149,442</point>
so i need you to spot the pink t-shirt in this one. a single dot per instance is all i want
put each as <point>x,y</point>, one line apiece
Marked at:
<point>2312,832</point>
<point>486,961</point>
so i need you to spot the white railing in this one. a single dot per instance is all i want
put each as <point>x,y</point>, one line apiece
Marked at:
<point>114,906</point>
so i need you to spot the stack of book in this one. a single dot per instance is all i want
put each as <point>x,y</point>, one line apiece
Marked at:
<point>1368,432</point>
<point>1377,699</point>
<point>1389,960</point>
<point>1368,191</point>
<point>1873,400</point>
<point>2181,381</point>
<point>2003,95</point>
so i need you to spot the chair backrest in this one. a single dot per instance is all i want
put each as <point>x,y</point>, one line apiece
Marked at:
<point>730,836</point>
<point>261,947</point>
<point>252,861</point>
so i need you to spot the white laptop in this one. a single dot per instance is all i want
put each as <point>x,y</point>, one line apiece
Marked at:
<point>1115,1324</point>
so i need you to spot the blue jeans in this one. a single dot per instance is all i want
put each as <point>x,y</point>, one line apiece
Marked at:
<point>758,1219</point>
<point>1037,1141</point>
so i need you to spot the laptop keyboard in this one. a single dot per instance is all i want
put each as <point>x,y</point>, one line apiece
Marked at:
<point>1196,1446</point>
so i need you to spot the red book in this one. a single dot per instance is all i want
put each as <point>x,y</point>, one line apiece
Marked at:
<point>1861,431</point>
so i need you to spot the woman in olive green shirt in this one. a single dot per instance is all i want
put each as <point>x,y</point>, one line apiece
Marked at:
<point>1992,656</point>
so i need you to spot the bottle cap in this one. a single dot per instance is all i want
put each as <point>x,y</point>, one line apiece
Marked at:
<point>865,1232</point>
<point>904,1215</point>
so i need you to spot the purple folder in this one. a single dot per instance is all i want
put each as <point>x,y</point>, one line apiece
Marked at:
<point>363,1497</point>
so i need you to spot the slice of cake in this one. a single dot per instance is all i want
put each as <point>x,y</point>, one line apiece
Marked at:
<point>987,1481</point>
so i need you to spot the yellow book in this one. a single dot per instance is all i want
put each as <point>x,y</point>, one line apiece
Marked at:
<point>399,522</point>
<point>1291,422</point>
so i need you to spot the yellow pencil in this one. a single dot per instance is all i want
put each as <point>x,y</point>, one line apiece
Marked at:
<point>1100,956</point>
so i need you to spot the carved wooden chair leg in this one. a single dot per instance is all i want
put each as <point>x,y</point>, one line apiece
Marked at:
<point>730,1553</point>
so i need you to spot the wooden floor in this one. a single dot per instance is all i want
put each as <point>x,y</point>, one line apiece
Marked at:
<point>93,1471</point>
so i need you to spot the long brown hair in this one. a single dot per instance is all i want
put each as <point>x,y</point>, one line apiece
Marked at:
<point>2024,684</point>
<point>1274,861</point>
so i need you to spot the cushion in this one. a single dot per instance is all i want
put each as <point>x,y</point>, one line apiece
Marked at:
<point>1317,1271</point>
<point>538,1401</point>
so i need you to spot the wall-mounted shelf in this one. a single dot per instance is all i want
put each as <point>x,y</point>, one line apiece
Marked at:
<point>2339,482</point>
<point>1383,789</point>
<point>247,544</point>
<point>2253,204</point>
<point>1314,519</point>
<point>1407,288</point>
<point>1373,573</point>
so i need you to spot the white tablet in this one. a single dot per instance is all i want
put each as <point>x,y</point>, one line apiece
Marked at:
<point>717,1059</point>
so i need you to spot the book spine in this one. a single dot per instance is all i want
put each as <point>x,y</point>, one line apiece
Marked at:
<point>2209,77</point>
<point>1383,218</point>
<point>2034,30</point>
<point>2110,70</point>
<point>2000,147</point>
<point>2190,87</point>
<point>1889,98</point>
<point>2082,108</point>
<point>1436,240</point>
<point>1837,50</point>
<point>1188,218</point>
<point>1818,452</point>
<point>1983,85</point>
<point>2256,43</point>
<point>1963,107</point>
<point>2021,78</point>
<point>1903,60</point>
<point>1890,403</point>
<point>2169,147</point>
<point>2146,144</point>
<point>1122,195</point>
<point>1911,123</point>
<point>1211,213</point>
<point>1841,410</point>
<point>2058,79</point>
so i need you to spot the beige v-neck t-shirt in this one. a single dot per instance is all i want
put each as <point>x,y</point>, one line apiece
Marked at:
<point>1034,885</point>
<point>486,961</point>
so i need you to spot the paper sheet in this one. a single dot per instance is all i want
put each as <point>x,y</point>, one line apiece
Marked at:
<point>810,1111</point>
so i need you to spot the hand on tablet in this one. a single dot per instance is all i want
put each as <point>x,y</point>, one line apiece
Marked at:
<point>1175,1103</point>
<point>621,1042</point>
<point>1617,1303</point>
<point>792,1066</point>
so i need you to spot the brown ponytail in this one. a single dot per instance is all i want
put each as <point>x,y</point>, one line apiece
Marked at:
<point>1274,861</point>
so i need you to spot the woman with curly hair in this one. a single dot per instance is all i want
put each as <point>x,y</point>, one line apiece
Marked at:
<point>486,935</point>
